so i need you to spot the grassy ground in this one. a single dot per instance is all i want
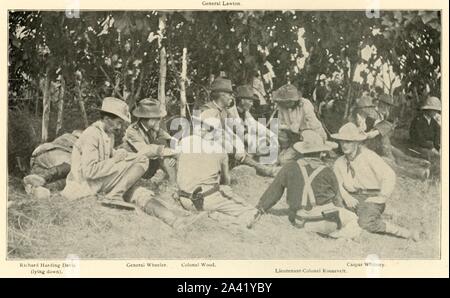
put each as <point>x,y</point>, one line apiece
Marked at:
<point>56,228</point>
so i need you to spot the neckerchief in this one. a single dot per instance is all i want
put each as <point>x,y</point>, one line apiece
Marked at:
<point>349,165</point>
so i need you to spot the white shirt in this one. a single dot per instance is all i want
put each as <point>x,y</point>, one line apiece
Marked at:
<point>371,172</point>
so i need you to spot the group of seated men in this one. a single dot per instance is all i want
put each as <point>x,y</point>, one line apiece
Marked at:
<point>336,201</point>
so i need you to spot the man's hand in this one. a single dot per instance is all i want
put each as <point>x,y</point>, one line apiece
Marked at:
<point>239,156</point>
<point>351,202</point>
<point>171,162</point>
<point>168,152</point>
<point>120,155</point>
<point>377,200</point>
<point>372,134</point>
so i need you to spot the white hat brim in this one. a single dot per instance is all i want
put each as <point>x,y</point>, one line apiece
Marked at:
<point>303,147</point>
<point>340,137</point>
<point>431,108</point>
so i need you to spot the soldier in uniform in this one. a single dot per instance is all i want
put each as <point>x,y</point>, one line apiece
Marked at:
<point>50,162</point>
<point>221,107</point>
<point>147,135</point>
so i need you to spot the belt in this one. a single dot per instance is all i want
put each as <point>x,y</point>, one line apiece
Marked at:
<point>370,191</point>
<point>198,195</point>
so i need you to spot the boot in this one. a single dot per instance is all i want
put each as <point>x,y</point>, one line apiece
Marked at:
<point>33,180</point>
<point>402,232</point>
<point>254,219</point>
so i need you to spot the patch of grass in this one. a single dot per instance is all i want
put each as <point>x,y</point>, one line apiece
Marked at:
<point>56,228</point>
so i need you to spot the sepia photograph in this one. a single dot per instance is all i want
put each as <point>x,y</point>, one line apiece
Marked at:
<point>224,134</point>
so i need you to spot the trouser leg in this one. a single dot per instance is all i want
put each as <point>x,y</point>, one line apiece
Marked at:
<point>170,170</point>
<point>218,202</point>
<point>287,178</point>
<point>127,180</point>
<point>369,217</point>
<point>400,157</point>
<point>408,170</point>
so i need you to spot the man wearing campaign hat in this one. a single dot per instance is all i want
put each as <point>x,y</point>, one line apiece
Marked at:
<point>145,136</point>
<point>97,168</point>
<point>295,114</point>
<point>221,107</point>
<point>312,191</point>
<point>425,131</point>
<point>366,182</point>
<point>378,129</point>
<point>258,139</point>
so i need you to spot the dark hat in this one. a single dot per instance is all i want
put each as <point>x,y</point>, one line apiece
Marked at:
<point>148,108</point>
<point>245,92</point>
<point>221,85</point>
<point>287,92</point>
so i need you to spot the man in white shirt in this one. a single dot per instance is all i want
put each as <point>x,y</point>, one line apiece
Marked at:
<point>366,182</point>
<point>203,175</point>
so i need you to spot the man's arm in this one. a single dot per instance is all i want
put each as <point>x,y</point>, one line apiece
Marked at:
<point>385,175</point>
<point>136,140</point>
<point>91,166</point>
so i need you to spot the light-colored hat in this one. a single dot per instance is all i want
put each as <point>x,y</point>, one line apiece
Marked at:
<point>148,108</point>
<point>116,107</point>
<point>285,93</point>
<point>222,85</point>
<point>432,103</point>
<point>349,132</point>
<point>364,102</point>
<point>313,142</point>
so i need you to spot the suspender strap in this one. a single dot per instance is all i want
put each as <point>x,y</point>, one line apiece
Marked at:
<point>308,193</point>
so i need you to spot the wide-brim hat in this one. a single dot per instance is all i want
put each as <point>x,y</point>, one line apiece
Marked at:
<point>432,103</point>
<point>148,108</point>
<point>364,102</point>
<point>245,92</point>
<point>313,142</point>
<point>349,132</point>
<point>116,107</point>
<point>286,93</point>
<point>221,85</point>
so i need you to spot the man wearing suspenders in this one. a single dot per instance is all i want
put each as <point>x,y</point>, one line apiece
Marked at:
<point>312,192</point>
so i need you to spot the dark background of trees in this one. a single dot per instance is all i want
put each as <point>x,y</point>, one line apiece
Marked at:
<point>60,68</point>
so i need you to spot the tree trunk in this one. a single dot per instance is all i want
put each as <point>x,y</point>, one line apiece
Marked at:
<point>59,120</point>
<point>183,101</point>
<point>349,100</point>
<point>162,65</point>
<point>81,105</point>
<point>46,108</point>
